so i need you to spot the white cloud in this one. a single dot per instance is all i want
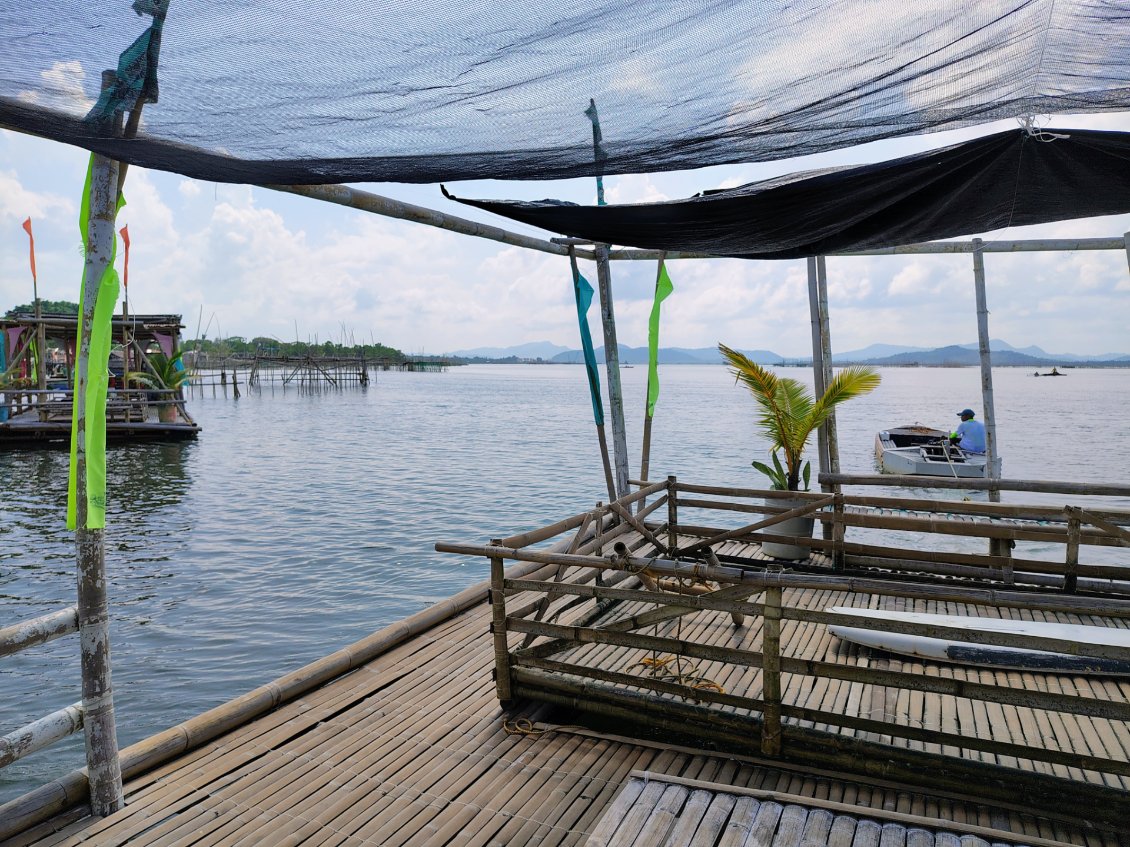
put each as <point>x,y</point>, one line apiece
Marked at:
<point>62,89</point>
<point>189,188</point>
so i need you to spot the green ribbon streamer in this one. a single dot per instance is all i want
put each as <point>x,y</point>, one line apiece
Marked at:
<point>663,287</point>
<point>583,292</point>
<point>97,384</point>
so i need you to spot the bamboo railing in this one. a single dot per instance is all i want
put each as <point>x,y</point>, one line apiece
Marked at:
<point>649,580</point>
<point>47,730</point>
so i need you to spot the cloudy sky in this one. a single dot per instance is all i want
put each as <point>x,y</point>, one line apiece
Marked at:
<point>238,260</point>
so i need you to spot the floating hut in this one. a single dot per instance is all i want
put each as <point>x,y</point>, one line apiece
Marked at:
<point>37,375</point>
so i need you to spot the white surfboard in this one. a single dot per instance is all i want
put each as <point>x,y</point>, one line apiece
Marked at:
<point>964,652</point>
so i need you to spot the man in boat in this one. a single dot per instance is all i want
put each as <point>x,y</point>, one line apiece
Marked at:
<point>970,435</point>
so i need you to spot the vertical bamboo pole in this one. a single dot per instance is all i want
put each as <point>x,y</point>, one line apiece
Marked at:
<point>827,455</point>
<point>826,347</point>
<point>771,673</point>
<point>672,517</point>
<point>40,346</point>
<point>1074,530</point>
<point>986,366</point>
<point>612,366</point>
<point>498,627</point>
<point>103,766</point>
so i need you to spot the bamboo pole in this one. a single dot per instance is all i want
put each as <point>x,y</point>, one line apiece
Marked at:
<point>40,734</point>
<point>771,673</point>
<point>102,760</point>
<point>1119,534</point>
<point>498,629</point>
<point>612,368</point>
<point>770,521</point>
<point>994,470</point>
<point>39,630</point>
<point>945,592</point>
<point>672,514</point>
<point>1033,485</point>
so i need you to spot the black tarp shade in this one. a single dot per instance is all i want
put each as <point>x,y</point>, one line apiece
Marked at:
<point>1011,178</point>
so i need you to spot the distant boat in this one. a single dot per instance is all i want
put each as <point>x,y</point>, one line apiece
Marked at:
<point>1054,372</point>
<point>924,451</point>
<point>966,652</point>
<point>624,365</point>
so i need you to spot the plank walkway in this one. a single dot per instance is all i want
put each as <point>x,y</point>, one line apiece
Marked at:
<point>412,748</point>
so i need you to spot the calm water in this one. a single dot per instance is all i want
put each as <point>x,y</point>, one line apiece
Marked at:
<point>298,523</point>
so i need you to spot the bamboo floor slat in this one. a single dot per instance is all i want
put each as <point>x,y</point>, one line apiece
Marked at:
<point>410,750</point>
<point>652,810</point>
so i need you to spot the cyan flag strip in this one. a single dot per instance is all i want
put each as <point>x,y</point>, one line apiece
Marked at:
<point>663,287</point>
<point>583,292</point>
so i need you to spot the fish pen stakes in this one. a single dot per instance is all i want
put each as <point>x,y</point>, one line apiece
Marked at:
<point>691,630</point>
<point>305,373</point>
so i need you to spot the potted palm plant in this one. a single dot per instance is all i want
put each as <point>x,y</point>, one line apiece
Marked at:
<point>789,414</point>
<point>167,374</point>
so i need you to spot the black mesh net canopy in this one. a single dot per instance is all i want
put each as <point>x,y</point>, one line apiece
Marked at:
<point>279,91</point>
<point>1007,179</point>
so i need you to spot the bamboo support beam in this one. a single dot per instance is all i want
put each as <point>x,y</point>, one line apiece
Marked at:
<point>365,201</point>
<point>40,734</point>
<point>20,636</point>
<point>612,371</point>
<point>1121,535</point>
<point>799,511</point>
<point>1033,485</point>
<point>638,526</point>
<point>946,592</point>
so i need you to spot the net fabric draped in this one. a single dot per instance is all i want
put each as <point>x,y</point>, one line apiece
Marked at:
<point>1011,178</point>
<point>272,91</point>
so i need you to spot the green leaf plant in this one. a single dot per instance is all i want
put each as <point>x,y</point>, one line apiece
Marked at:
<point>789,413</point>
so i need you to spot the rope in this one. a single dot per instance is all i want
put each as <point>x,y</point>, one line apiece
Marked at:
<point>521,726</point>
<point>660,668</point>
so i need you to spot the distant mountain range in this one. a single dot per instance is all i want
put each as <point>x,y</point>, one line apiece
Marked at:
<point>1003,354</point>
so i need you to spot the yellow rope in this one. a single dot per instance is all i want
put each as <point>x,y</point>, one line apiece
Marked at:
<point>521,726</point>
<point>659,668</point>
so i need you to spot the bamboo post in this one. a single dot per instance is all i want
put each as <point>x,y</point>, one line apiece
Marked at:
<point>771,673</point>
<point>818,362</point>
<point>839,529</point>
<point>498,627</point>
<point>40,344</point>
<point>672,517</point>
<point>1071,566</point>
<point>986,369</point>
<point>612,366</point>
<point>103,766</point>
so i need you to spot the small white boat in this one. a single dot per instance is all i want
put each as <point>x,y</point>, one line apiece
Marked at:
<point>965,652</point>
<point>924,451</point>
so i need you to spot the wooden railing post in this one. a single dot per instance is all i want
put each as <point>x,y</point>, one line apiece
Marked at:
<point>1071,566</point>
<point>672,516</point>
<point>498,627</point>
<point>839,529</point>
<point>771,673</point>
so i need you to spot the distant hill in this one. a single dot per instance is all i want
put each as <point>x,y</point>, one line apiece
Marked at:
<point>668,356</point>
<point>532,350</point>
<point>959,355</point>
<point>956,355</point>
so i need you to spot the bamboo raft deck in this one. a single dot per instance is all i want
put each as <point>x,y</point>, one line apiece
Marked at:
<point>621,688</point>
<point>412,748</point>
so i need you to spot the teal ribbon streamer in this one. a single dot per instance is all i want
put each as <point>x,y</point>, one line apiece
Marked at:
<point>583,292</point>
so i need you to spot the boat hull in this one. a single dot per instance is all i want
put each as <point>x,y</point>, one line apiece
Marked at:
<point>923,451</point>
